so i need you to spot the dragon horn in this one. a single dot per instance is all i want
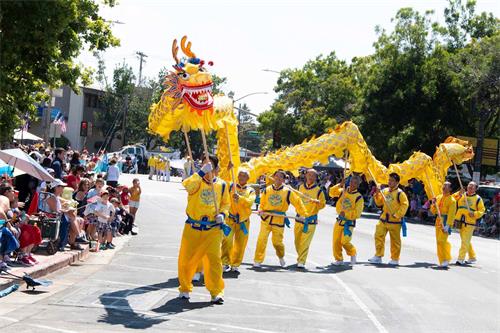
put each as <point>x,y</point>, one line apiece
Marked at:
<point>187,49</point>
<point>175,49</point>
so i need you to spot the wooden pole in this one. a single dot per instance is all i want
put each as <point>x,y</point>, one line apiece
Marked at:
<point>432,192</point>
<point>296,191</point>
<point>230,158</point>
<point>383,196</point>
<point>205,148</point>
<point>458,176</point>
<point>190,153</point>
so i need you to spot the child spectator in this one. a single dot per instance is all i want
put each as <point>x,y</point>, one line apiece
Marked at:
<point>135,196</point>
<point>105,215</point>
<point>125,196</point>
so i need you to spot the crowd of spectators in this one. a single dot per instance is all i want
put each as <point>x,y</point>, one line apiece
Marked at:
<point>85,198</point>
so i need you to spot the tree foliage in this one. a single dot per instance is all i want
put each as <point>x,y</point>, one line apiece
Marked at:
<point>39,41</point>
<point>423,82</point>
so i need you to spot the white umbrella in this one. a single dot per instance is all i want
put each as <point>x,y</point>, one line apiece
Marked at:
<point>24,135</point>
<point>20,160</point>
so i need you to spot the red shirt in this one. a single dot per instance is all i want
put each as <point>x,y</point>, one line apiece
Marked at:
<point>125,198</point>
<point>73,181</point>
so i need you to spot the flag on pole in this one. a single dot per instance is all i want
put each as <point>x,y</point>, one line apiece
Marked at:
<point>59,120</point>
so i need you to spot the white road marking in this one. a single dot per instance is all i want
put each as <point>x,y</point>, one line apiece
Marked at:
<point>50,328</point>
<point>357,300</point>
<point>237,299</point>
<point>146,255</point>
<point>144,268</point>
<point>10,319</point>
<point>155,315</point>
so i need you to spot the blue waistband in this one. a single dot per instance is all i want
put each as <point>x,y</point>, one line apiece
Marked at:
<point>313,219</point>
<point>236,219</point>
<point>444,219</point>
<point>287,221</point>
<point>402,222</point>
<point>205,224</point>
<point>347,224</point>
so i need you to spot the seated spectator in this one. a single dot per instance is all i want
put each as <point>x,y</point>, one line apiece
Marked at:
<point>8,241</point>
<point>74,177</point>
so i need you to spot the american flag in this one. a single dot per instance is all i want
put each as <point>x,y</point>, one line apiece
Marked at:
<point>59,120</point>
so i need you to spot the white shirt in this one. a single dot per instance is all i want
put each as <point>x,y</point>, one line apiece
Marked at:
<point>113,173</point>
<point>104,209</point>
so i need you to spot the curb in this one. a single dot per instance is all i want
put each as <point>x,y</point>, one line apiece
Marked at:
<point>47,265</point>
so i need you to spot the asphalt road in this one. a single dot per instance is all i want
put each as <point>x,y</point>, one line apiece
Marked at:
<point>135,287</point>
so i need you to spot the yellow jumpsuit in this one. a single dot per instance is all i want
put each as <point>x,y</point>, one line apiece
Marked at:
<point>234,244</point>
<point>447,207</point>
<point>151,165</point>
<point>467,223</point>
<point>395,203</point>
<point>275,200</point>
<point>303,239</point>
<point>352,205</point>
<point>202,243</point>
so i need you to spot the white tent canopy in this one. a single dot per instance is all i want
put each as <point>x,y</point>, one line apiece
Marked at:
<point>24,135</point>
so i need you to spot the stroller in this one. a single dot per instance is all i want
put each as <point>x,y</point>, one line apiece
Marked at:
<point>48,223</point>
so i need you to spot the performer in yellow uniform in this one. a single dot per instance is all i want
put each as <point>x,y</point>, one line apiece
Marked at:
<point>202,235</point>
<point>447,208</point>
<point>313,200</point>
<point>275,200</point>
<point>395,204</point>
<point>151,165</point>
<point>234,244</point>
<point>349,208</point>
<point>467,219</point>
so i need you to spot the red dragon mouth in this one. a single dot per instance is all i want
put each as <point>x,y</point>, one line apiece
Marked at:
<point>199,97</point>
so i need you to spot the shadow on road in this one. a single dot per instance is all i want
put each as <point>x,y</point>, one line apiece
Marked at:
<point>177,305</point>
<point>119,311</point>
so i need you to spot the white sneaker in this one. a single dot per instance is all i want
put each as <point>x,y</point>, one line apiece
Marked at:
<point>353,260</point>
<point>282,262</point>
<point>471,260</point>
<point>217,299</point>
<point>183,296</point>
<point>256,264</point>
<point>196,277</point>
<point>460,262</point>
<point>444,264</point>
<point>338,263</point>
<point>226,268</point>
<point>301,265</point>
<point>394,262</point>
<point>235,269</point>
<point>375,260</point>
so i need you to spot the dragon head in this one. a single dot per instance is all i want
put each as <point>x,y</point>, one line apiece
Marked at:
<point>190,82</point>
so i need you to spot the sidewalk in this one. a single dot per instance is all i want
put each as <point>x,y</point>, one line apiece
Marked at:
<point>51,263</point>
<point>47,264</point>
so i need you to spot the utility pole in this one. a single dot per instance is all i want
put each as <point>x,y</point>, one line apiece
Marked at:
<point>141,56</point>
<point>124,123</point>
<point>46,122</point>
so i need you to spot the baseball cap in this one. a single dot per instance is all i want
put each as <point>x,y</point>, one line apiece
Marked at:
<point>55,183</point>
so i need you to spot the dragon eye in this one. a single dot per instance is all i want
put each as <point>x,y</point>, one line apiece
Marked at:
<point>184,76</point>
<point>201,69</point>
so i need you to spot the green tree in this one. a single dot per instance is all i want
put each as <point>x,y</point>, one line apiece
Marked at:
<point>310,100</point>
<point>114,101</point>
<point>39,41</point>
<point>413,97</point>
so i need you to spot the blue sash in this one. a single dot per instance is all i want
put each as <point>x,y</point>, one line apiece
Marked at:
<point>402,222</point>
<point>313,219</point>
<point>347,224</point>
<point>287,221</point>
<point>444,219</point>
<point>236,219</point>
<point>205,224</point>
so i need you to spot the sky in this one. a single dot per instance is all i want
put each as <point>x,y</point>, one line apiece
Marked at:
<point>244,37</point>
